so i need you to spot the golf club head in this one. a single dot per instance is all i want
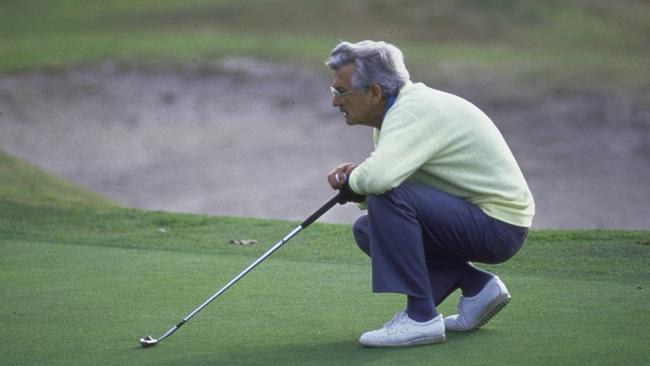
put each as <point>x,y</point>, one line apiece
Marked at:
<point>148,341</point>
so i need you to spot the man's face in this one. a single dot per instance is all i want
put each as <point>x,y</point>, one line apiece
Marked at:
<point>359,108</point>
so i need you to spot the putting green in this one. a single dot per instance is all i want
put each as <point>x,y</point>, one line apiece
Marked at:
<point>74,304</point>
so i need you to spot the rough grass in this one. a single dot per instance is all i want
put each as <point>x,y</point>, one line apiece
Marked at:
<point>81,283</point>
<point>574,44</point>
<point>25,183</point>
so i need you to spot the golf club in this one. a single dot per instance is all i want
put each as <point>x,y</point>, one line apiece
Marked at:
<point>149,341</point>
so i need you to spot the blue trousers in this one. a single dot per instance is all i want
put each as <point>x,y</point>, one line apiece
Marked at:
<point>422,241</point>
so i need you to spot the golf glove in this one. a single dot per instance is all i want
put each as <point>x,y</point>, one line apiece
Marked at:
<point>346,194</point>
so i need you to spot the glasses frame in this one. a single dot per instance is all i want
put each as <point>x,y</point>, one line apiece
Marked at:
<point>339,94</point>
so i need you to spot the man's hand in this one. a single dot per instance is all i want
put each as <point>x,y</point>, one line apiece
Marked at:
<point>339,175</point>
<point>338,179</point>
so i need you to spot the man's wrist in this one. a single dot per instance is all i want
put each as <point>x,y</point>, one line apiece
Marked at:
<point>348,195</point>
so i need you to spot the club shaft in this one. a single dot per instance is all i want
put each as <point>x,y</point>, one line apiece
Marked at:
<point>171,331</point>
<point>326,207</point>
<point>245,271</point>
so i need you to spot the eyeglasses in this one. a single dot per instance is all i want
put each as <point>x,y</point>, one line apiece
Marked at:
<point>339,94</point>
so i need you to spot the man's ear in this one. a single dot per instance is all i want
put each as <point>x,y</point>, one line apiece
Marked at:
<point>376,93</point>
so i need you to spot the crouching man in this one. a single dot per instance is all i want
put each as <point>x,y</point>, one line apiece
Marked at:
<point>442,190</point>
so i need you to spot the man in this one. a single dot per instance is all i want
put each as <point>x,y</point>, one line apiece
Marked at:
<point>442,190</point>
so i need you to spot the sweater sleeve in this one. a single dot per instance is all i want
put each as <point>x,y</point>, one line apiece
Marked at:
<point>405,144</point>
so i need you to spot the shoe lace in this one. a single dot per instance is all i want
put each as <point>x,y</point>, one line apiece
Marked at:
<point>392,324</point>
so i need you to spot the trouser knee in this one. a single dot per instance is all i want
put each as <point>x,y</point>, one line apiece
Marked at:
<point>360,232</point>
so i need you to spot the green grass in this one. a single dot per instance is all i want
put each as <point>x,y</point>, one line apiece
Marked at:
<point>26,183</point>
<point>82,281</point>
<point>571,44</point>
<point>82,278</point>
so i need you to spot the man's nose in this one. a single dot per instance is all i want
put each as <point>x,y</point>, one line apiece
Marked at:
<point>336,102</point>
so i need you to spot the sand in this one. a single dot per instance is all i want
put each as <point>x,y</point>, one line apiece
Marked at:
<point>248,138</point>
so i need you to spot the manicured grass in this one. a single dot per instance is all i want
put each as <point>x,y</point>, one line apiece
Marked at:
<point>81,283</point>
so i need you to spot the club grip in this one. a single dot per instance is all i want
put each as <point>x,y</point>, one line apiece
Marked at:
<point>326,207</point>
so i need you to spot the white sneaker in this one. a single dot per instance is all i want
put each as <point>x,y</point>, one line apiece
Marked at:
<point>474,312</point>
<point>402,331</point>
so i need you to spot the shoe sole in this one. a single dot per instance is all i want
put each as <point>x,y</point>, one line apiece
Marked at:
<point>490,313</point>
<point>486,316</point>
<point>415,342</point>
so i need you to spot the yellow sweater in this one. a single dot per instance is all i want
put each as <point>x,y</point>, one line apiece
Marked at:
<point>443,141</point>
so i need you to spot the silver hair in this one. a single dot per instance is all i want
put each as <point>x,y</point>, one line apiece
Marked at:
<point>375,63</point>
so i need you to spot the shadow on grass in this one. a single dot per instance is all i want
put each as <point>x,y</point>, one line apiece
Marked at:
<point>347,352</point>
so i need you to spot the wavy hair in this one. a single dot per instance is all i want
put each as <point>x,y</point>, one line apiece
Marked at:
<point>375,63</point>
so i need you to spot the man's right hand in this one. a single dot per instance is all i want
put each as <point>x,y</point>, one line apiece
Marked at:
<point>339,175</point>
<point>338,179</point>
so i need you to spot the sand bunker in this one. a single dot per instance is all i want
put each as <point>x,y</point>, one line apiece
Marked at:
<point>246,138</point>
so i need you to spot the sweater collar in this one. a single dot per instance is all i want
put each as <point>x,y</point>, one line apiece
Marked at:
<point>390,100</point>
